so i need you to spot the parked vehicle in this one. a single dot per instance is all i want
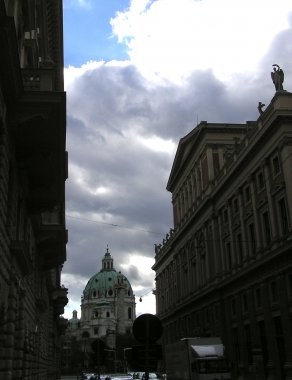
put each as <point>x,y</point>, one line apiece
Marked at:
<point>196,359</point>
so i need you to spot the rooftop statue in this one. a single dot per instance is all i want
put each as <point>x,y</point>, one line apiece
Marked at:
<point>260,107</point>
<point>277,77</point>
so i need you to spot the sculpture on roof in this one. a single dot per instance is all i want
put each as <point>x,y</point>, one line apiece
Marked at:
<point>277,77</point>
<point>260,107</point>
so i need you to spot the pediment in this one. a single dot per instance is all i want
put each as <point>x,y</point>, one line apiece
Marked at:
<point>184,149</point>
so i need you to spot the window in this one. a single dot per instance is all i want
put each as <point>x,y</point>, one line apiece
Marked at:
<point>233,307</point>
<point>263,340</point>
<point>280,342</point>
<point>239,248</point>
<point>228,256</point>
<point>247,194</point>
<point>95,330</point>
<point>236,345</point>
<point>276,165</point>
<point>107,314</point>
<point>248,343</point>
<point>283,216</point>
<point>274,291</point>
<point>260,181</point>
<point>244,302</point>
<point>129,313</point>
<point>266,228</point>
<point>235,206</point>
<point>225,216</point>
<point>258,297</point>
<point>252,241</point>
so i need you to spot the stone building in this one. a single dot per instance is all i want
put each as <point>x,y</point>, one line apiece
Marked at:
<point>108,311</point>
<point>225,268</point>
<point>33,170</point>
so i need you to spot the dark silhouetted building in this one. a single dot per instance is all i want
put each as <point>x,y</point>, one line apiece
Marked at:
<point>225,269</point>
<point>33,170</point>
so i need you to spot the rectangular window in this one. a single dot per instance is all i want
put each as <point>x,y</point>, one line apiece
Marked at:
<point>225,216</point>
<point>247,194</point>
<point>216,162</point>
<point>258,297</point>
<point>248,343</point>
<point>244,302</point>
<point>280,342</point>
<point>235,206</point>
<point>228,256</point>
<point>233,307</point>
<point>236,345</point>
<point>263,339</point>
<point>205,174</point>
<point>266,227</point>
<point>252,241</point>
<point>274,291</point>
<point>239,248</point>
<point>276,166</point>
<point>260,181</point>
<point>283,216</point>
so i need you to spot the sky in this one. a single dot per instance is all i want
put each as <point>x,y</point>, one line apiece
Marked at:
<point>140,75</point>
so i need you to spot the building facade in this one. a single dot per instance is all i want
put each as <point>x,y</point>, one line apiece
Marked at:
<point>225,268</point>
<point>108,311</point>
<point>33,170</point>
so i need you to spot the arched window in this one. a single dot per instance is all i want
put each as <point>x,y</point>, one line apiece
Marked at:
<point>129,313</point>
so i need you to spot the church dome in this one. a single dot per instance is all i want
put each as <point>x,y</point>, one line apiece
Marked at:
<point>108,307</point>
<point>105,283</point>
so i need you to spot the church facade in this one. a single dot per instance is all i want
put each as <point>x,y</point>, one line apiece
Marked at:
<point>108,311</point>
<point>33,170</point>
<point>225,268</point>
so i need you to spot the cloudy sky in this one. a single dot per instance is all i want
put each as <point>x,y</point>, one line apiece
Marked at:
<point>140,74</point>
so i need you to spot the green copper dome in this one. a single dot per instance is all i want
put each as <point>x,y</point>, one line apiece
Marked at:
<point>104,284</point>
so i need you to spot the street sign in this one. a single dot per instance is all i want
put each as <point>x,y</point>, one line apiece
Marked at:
<point>147,328</point>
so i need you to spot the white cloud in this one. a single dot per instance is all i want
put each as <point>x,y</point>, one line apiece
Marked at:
<point>77,3</point>
<point>171,38</point>
<point>158,144</point>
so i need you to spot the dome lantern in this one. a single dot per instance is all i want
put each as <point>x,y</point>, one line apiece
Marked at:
<point>107,261</point>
